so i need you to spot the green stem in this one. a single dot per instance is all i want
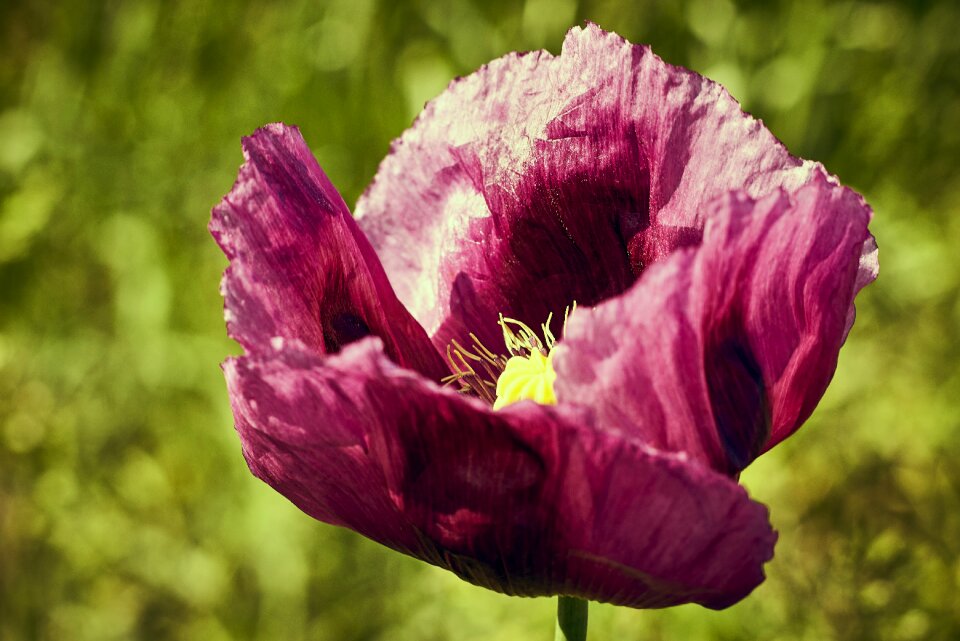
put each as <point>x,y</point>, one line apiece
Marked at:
<point>571,619</point>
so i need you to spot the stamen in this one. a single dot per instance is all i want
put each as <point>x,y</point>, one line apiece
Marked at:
<point>483,384</point>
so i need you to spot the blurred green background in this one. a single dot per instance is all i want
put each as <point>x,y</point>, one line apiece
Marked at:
<point>126,510</point>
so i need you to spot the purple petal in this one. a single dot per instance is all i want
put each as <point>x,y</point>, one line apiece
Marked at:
<point>541,180</point>
<point>300,268</point>
<point>723,350</point>
<point>527,501</point>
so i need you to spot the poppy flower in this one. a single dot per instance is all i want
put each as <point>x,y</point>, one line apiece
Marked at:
<point>714,276</point>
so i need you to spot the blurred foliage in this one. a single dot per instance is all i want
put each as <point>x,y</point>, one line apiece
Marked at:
<point>126,511</point>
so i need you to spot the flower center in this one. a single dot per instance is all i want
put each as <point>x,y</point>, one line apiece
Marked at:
<point>526,374</point>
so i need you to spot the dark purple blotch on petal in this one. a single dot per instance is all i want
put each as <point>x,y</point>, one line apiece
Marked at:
<point>738,397</point>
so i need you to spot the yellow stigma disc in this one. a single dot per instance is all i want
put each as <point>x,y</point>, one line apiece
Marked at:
<point>526,378</point>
